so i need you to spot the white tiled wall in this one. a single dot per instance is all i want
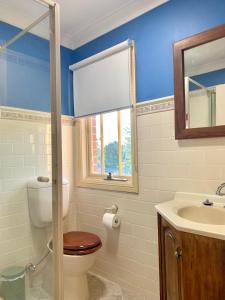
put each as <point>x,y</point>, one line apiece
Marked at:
<point>25,153</point>
<point>129,256</point>
<point>68,140</point>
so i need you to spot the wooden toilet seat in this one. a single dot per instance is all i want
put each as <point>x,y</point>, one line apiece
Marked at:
<point>80,243</point>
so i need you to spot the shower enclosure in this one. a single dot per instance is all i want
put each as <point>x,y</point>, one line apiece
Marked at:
<point>199,98</point>
<point>30,146</point>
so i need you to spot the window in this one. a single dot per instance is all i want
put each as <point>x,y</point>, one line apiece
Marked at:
<point>107,145</point>
<point>110,144</point>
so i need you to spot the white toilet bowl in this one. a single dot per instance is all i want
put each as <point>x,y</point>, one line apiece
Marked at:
<point>75,275</point>
<point>80,253</point>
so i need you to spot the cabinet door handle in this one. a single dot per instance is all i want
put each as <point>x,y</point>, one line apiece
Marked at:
<point>178,253</point>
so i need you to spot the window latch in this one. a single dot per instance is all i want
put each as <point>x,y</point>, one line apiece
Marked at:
<point>111,177</point>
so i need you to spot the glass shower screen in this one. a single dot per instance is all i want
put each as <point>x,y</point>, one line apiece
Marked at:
<point>29,99</point>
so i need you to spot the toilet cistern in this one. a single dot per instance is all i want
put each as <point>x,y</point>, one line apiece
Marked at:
<point>80,248</point>
<point>40,201</point>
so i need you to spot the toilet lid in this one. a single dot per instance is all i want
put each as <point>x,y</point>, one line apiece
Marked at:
<point>79,240</point>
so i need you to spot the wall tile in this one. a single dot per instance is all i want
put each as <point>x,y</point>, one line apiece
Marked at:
<point>25,153</point>
<point>165,166</point>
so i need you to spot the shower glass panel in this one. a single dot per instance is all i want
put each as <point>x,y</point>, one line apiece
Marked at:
<point>200,105</point>
<point>26,264</point>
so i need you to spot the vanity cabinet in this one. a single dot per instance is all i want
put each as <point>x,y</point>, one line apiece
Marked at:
<point>192,267</point>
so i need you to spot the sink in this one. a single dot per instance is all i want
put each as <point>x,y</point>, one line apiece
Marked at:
<point>187,213</point>
<point>205,215</point>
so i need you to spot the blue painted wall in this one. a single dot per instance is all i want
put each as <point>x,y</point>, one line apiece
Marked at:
<point>211,78</point>
<point>25,73</point>
<point>154,34</point>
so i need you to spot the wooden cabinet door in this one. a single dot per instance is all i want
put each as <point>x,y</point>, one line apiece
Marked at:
<point>170,262</point>
<point>192,267</point>
<point>203,262</point>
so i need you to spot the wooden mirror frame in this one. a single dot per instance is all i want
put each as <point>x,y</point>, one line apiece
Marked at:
<point>181,132</point>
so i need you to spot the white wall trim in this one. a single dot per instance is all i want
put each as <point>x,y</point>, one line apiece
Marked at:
<point>12,113</point>
<point>154,106</point>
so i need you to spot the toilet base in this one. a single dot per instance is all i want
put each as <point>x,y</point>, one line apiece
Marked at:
<point>76,287</point>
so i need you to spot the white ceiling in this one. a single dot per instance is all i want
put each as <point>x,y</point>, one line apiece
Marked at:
<point>205,58</point>
<point>81,20</point>
<point>22,13</point>
<point>84,20</point>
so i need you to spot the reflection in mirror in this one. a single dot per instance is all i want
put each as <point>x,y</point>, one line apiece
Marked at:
<point>204,78</point>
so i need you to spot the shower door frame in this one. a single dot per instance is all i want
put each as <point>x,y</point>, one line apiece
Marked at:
<point>56,135</point>
<point>56,138</point>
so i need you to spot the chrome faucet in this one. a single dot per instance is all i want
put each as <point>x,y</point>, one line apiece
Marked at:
<point>220,187</point>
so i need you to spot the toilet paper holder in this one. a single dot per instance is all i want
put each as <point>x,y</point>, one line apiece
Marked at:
<point>112,210</point>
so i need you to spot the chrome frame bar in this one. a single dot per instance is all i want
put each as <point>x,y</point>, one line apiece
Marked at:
<point>46,2</point>
<point>197,83</point>
<point>187,102</point>
<point>23,32</point>
<point>213,107</point>
<point>56,134</point>
<point>200,85</point>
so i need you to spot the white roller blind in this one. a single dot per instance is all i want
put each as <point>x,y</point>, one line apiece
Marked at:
<point>102,82</point>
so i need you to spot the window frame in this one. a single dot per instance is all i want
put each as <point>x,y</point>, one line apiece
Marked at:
<point>83,177</point>
<point>102,138</point>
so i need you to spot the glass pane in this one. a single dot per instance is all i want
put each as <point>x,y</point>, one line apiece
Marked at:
<point>125,117</point>
<point>95,144</point>
<point>110,129</point>
<point>199,100</point>
<point>204,77</point>
<point>21,14</point>
<point>25,154</point>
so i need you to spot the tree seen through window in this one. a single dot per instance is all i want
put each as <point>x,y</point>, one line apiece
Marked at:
<point>110,137</point>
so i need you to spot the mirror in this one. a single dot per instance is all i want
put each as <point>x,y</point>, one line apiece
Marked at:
<point>199,74</point>
<point>204,80</point>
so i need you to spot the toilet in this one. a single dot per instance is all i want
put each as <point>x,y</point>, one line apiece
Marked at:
<point>80,251</point>
<point>80,248</point>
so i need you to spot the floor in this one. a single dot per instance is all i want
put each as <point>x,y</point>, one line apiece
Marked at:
<point>100,289</point>
<point>37,294</point>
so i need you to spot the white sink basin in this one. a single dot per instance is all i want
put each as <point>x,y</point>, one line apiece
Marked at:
<point>187,213</point>
<point>203,214</point>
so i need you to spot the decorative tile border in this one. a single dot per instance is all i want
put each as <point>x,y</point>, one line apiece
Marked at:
<point>11,113</point>
<point>143,108</point>
<point>154,106</point>
<point>15,57</point>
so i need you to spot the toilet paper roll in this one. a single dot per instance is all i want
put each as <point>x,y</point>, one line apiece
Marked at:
<point>111,221</point>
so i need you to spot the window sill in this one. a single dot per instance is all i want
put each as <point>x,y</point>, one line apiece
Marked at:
<point>101,184</point>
